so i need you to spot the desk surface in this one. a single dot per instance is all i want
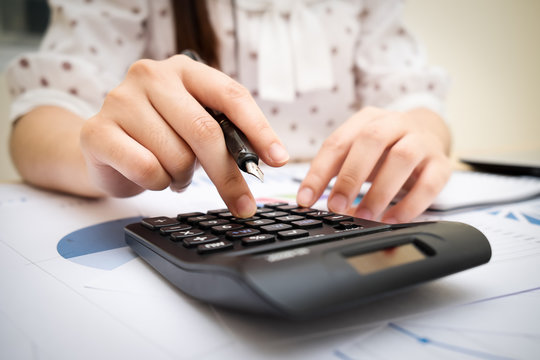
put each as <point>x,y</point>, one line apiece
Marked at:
<point>104,302</point>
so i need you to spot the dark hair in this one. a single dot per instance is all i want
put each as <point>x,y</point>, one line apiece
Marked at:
<point>194,30</point>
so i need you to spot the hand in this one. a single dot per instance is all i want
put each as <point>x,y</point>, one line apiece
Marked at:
<point>392,150</point>
<point>152,129</point>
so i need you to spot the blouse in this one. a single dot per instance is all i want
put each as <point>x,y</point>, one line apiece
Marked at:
<point>309,64</point>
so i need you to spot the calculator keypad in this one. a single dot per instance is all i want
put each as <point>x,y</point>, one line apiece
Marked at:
<point>218,230</point>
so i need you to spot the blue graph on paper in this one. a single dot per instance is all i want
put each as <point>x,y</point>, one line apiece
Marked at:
<point>529,217</point>
<point>99,246</point>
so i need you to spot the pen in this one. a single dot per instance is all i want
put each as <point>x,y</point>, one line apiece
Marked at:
<point>237,143</point>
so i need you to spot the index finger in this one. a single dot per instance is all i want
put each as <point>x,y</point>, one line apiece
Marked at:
<point>198,129</point>
<point>332,157</point>
<point>204,136</point>
<point>218,91</point>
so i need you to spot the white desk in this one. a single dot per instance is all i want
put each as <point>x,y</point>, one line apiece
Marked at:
<point>109,304</point>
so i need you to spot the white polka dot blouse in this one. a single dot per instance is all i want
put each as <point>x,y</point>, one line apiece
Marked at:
<point>309,64</point>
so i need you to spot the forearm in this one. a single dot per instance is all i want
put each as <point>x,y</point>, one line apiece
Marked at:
<point>45,149</point>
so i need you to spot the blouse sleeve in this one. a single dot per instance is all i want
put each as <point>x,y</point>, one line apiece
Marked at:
<point>85,52</point>
<point>394,73</point>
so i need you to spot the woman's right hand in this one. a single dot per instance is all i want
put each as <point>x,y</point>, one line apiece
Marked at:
<point>152,129</point>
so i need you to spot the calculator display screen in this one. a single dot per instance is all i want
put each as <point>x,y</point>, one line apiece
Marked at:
<point>384,259</point>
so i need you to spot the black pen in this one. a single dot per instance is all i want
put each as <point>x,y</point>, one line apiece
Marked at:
<point>237,143</point>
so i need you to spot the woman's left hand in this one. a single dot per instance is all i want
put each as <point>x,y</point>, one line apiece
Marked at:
<point>394,150</point>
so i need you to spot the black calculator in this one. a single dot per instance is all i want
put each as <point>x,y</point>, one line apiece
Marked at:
<point>295,262</point>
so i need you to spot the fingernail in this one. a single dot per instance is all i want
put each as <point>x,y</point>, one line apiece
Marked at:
<point>304,197</point>
<point>245,206</point>
<point>277,153</point>
<point>338,204</point>
<point>363,214</point>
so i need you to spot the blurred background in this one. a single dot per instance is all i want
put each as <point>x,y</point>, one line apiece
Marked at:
<point>491,49</point>
<point>22,23</point>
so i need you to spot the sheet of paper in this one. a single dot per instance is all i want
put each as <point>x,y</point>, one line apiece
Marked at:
<point>486,281</point>
<point>45,297</point>
<point>465,332</point>
<point>73,303</point>
<point>467,188</point>
<point>50,320</point>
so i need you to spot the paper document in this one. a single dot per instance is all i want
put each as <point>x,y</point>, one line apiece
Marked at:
<point>467,188</point>
<point>65,297</point>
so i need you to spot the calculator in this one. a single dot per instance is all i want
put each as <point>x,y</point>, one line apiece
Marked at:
<point>294,262</point>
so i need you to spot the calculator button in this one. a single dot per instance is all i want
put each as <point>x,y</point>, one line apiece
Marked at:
<point>214,246</point>
<point>272,228</point>
<point>217,211</point>
<point>170,229</point>
<point>302,211</point>
<point>292,234</point>
<point>236,234</point>
<point>347,225</point>
<point>336,219</point>
<point>289,218</point>
<point>307,223</point>
<point>244,220</point>
<point>209,223</point>
<point>263,210</point>
<point>158,222</point>
<point>319,214</point>
<point>179,235</point>
<point>275,204</point>
<point>197,240</point>
<point>273,214</point>
<point>184,216</point>
<point>260,222</point>
<point>198,219</point>
<point>226,215</point>
<point>222,229</point>
<point>286,207</point>
<point>258,239</point>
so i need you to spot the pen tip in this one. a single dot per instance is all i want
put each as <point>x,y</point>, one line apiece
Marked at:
<point>253,169</point>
